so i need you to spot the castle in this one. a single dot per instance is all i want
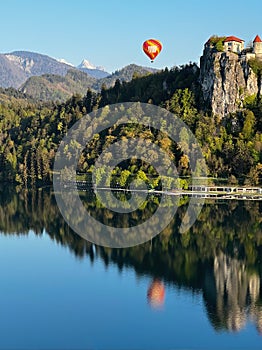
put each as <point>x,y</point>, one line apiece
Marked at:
<point>234,44</point>
<point>226,73</point>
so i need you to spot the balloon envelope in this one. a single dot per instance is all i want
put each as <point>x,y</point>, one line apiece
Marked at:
<point>152,48</point>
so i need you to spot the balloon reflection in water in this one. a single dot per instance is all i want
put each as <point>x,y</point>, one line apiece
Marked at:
<point>156,293</point>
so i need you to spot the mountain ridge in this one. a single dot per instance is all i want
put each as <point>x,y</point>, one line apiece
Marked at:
<point>48,87</point>
<point>45,78</point>
<point>17,66</point>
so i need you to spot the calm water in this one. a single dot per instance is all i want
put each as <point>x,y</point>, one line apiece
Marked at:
<point>200,290</point>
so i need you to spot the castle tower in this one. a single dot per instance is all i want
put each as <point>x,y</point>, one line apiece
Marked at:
<point>257,46</point>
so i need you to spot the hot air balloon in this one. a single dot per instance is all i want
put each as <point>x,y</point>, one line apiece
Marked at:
<point>152,48</point>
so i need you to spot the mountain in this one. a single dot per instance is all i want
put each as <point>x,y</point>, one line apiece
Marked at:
<point>37,64</point>
<point>56,87</point>
<point>16,67</point>
<point>97,72</point>
<point>51,75</point>
<point>62,60</point>
<point>86,64</point>
<point>10,74</point>
<point>124,74</point>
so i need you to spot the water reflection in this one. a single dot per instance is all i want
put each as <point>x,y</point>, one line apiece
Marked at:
<point>220,257</point>
<point>232,294</point>
<point>156,294</point>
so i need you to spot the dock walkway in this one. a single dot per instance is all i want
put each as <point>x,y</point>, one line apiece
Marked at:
<point>197,191</point>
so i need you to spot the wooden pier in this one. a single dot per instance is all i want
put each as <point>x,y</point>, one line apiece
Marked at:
<point>225,189</point>
<point>196,191</point>
<point>226,192</point>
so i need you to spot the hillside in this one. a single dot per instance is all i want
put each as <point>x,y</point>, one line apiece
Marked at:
<point>45,78</point>
<point>31,131</point>
<point>155,87</point>
<point>92,70</point>
<point>59,88</point>
<point>37,64</point>
<point>95,73</point>
<point>124,74</point>
<point>10,74</point>
<point>51,87</point>
<point>16,67</point>
<point>11,96</point>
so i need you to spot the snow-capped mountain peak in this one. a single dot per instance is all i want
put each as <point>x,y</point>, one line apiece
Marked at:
<point>88,65</point>
<point>62,60</point>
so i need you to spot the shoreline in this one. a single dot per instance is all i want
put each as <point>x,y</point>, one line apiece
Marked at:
<point>206,192</point>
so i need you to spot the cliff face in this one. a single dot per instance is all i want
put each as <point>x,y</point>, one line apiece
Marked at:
<point>225,81</point>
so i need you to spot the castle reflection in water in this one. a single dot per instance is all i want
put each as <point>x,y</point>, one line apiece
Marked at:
<point>232,295</point>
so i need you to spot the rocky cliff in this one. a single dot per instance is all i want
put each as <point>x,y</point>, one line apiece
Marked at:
<point>226,79</point>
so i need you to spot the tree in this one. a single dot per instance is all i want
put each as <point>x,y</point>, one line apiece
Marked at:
<point>182,104</point>
<point>249,123</point>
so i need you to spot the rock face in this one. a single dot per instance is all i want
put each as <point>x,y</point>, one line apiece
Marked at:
<point>16,67</point>
<point>10,74</point>
<point>226,79</point>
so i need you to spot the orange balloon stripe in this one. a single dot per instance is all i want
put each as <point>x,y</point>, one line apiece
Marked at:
<point>155,43</point>
<point>152,54</point>
<point>152,43</point>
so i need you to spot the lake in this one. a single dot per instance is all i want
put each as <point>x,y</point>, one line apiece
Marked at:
<point>197,290</point>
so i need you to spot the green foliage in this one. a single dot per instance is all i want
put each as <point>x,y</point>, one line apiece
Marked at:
<point>250,100</point>
<point>249,123</point>
<point>183,105</point>
<point>126,74</point>
<point>217,42</point>
<point>50,87</point>
<point>123,180</point>
<point>31,131</point>
<point>256,65</point>
<point>154,88</point>
<point>254,104</point>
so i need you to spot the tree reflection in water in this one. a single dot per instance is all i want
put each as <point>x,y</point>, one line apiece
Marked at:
<point>220,256</point>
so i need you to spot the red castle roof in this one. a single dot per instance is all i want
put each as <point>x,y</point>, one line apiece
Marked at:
<point>233,38</point>
<point>257,39</point>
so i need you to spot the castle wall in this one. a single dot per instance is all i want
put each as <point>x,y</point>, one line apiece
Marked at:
<point>258,48</point>
<point>234,46</point>
<point>249,56</point>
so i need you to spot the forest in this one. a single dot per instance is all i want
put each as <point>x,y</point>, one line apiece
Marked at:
<point>30,130</point>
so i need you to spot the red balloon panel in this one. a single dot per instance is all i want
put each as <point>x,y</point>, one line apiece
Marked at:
<point>152,48</point>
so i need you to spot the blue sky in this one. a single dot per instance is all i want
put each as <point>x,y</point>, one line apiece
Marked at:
<point>111,32</point>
